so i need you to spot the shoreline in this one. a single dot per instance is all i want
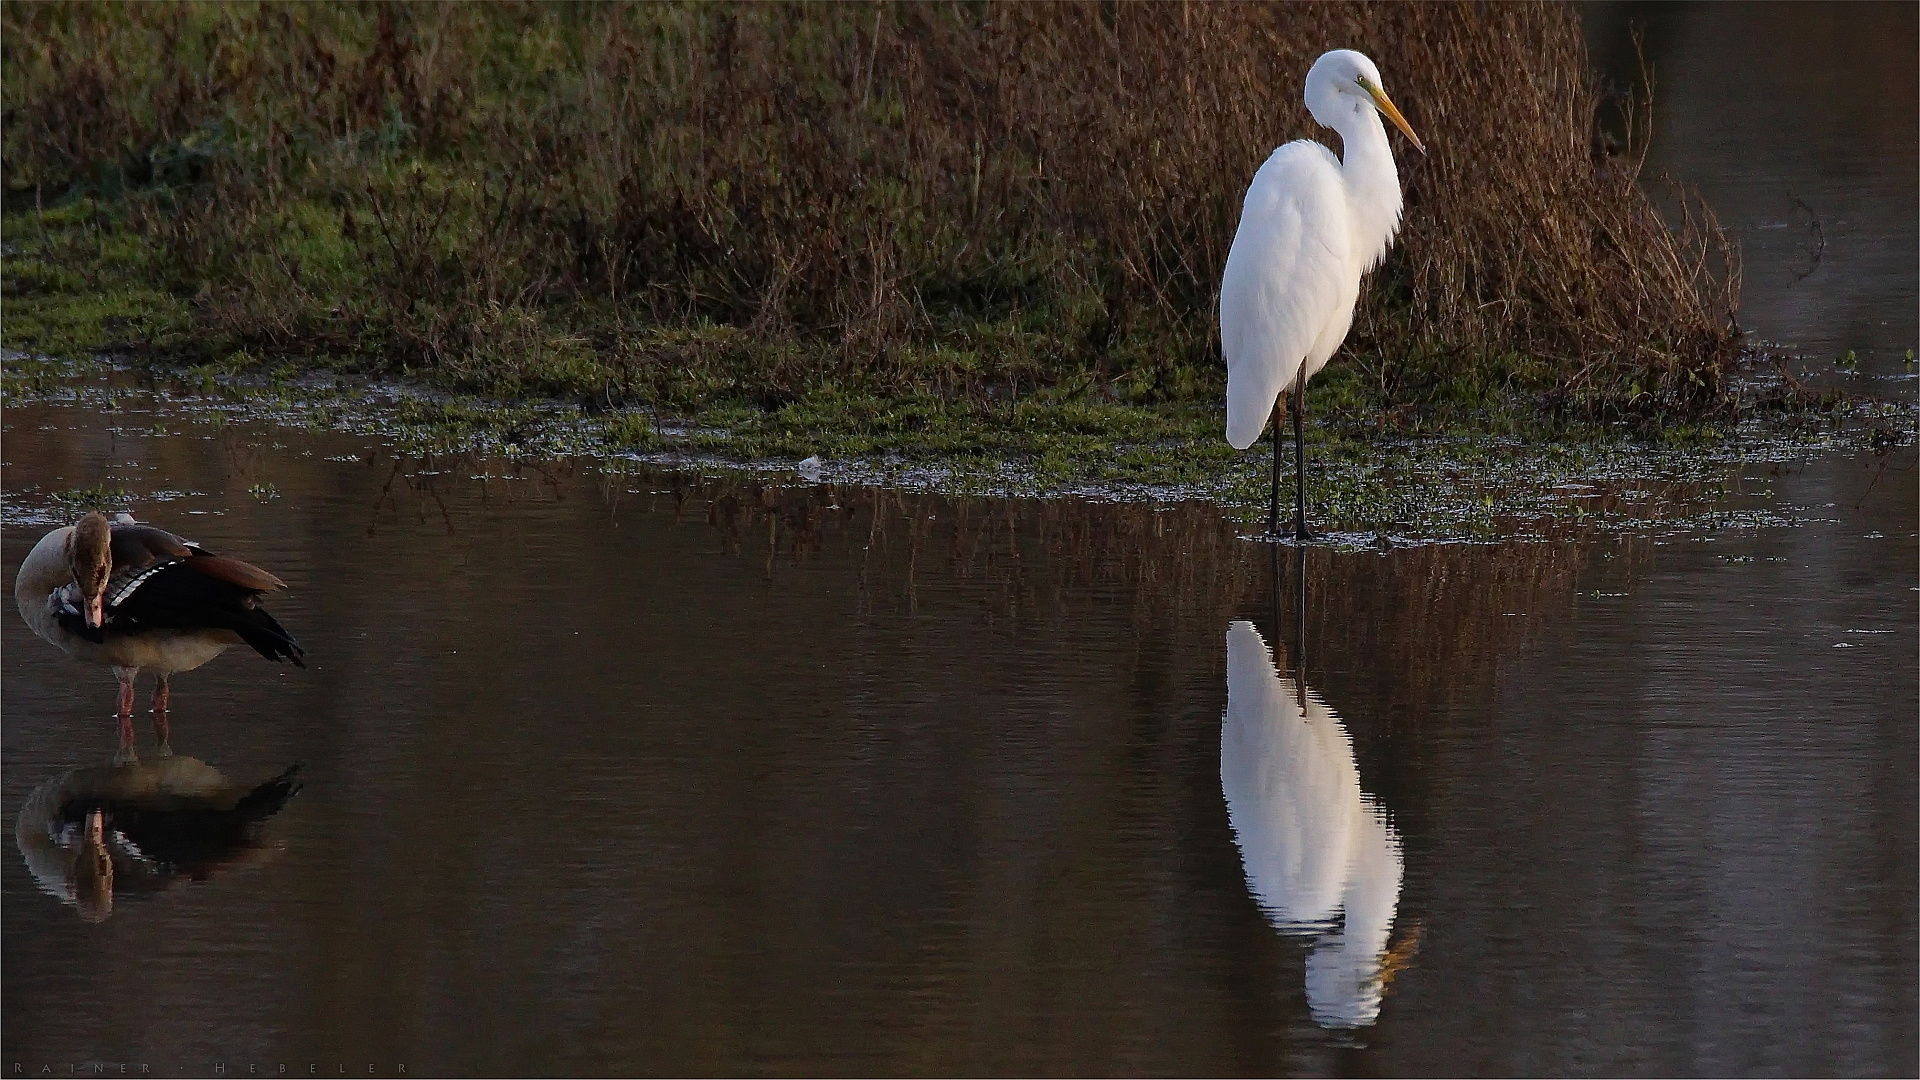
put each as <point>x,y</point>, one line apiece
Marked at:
<point>1366,489</point>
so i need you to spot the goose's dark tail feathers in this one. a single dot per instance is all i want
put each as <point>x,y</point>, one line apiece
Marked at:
<point>266,800</point>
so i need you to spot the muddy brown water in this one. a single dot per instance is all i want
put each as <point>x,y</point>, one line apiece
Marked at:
<point>670,774</point>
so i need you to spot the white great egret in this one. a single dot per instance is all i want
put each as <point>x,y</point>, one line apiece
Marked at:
<point>1311,225</point>
<point>1320,858</point>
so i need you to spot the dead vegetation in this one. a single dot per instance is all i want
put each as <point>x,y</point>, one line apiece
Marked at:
<point>688,204</point>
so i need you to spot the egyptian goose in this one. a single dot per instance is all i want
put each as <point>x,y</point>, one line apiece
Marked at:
<point>89,833</point>
<point>138,598</point>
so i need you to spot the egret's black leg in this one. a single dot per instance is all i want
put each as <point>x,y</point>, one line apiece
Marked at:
<point>1300,611</point>
<point>1273,506</point>
<point>1277,621</point>
<point>1299,471</point>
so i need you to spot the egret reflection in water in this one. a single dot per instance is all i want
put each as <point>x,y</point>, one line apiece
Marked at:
<point>1320,857</point>
<point>92,833</point>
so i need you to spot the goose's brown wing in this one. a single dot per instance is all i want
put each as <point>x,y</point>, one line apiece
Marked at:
<point>144,545</point>
<point>161,581</point>
<point>235,572</point>
<point>174,596</point>
<point>137,548</point>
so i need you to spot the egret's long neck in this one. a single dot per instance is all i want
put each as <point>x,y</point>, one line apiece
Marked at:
<point>1372,182</point>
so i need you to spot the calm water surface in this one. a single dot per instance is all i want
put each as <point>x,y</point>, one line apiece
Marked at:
<point>608,774</point>
<point>658,774</point>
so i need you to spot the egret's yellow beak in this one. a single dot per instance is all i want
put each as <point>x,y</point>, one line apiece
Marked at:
<point>1386,105</point>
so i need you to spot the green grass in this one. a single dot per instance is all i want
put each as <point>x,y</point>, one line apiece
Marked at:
<point>693,207</point>
<point>79,501</point>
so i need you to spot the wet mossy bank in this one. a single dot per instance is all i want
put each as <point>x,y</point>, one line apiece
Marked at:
<point>1372,478</point>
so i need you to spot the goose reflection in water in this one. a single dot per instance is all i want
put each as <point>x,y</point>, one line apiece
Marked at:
<point>91,833</point>
<point>1320,858</point>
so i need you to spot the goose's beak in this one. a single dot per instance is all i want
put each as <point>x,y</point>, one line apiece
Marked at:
<point>94,608</point>
<point>1386,106</point>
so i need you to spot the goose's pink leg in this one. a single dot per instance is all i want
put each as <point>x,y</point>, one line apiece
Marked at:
<point>161,692</point>
<point>126,676</point>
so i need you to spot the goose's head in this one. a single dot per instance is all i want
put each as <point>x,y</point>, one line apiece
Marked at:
<point>93,870</point>
<point>90,554</point>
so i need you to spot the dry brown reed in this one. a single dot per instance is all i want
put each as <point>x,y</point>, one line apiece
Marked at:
<point>678,202</point>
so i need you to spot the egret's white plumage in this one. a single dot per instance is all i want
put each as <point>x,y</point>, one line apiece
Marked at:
<point>1311,225</point>
<point>1291,282</point>
<point>1319,855</point>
